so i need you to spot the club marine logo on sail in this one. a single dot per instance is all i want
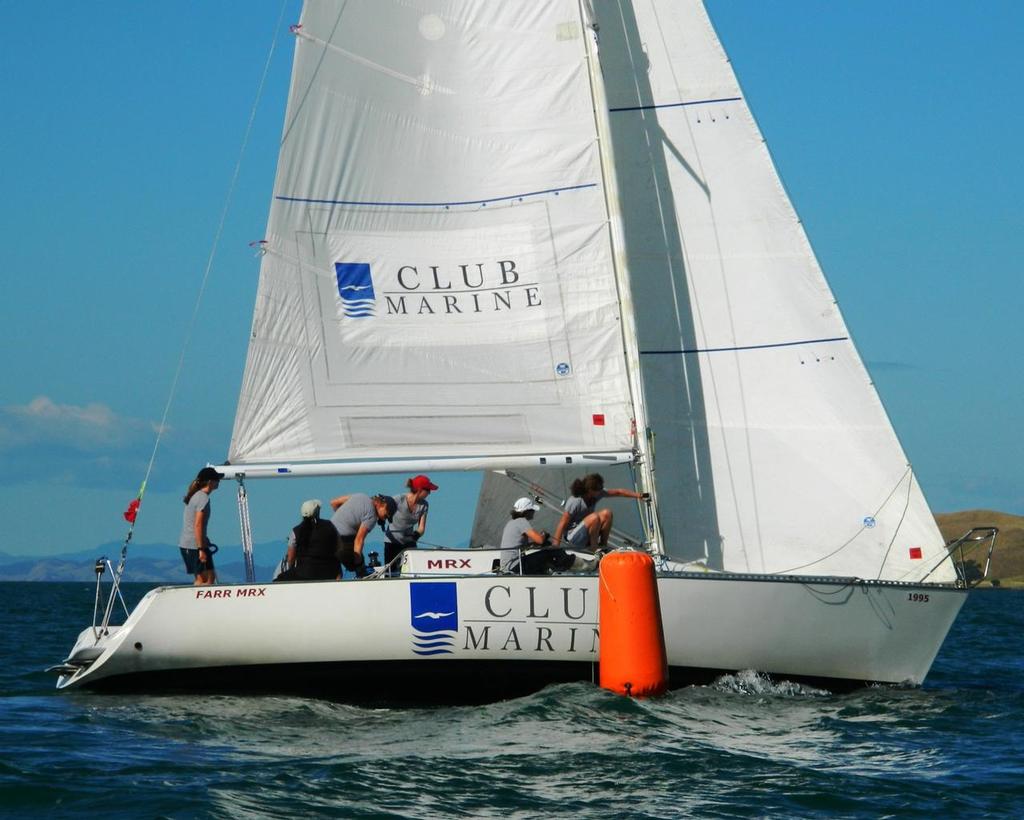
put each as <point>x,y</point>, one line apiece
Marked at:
<point>417,292</point>
<point>355,287</point>
<point>434,613</point>
<point>461,289</point>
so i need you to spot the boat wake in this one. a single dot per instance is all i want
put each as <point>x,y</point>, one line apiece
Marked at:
<point>751,682</point>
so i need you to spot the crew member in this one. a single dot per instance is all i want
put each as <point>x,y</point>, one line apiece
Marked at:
<point>354,518</point>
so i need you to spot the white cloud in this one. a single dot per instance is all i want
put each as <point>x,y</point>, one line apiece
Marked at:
<point>90,428</point>
<point>93,446</point>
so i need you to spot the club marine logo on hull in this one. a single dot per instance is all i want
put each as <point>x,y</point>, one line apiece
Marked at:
<point>434,613</point>
<point>355,287</point>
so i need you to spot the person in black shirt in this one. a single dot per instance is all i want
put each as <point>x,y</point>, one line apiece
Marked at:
<point>311,548</point>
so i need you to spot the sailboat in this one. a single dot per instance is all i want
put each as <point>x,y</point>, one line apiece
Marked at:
<point>541,240</point>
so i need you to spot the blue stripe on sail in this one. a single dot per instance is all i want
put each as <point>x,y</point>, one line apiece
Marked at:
<point>433,652</point>
<point>741,347</point>
<point>554,191</point>
<point>673,105</point>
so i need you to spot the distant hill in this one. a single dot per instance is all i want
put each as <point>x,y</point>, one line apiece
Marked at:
<point>1008,559</point>
<point>147,563</point>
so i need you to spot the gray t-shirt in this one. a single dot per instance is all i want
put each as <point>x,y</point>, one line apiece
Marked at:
<point>405,521</point>
<point>349,516</point>
<point>196,504</point>
<point>578,509</point>
<point>514,534</point>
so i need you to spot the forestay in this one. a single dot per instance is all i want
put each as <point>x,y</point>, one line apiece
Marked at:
<point>773,451</point>
<point>437,277</point>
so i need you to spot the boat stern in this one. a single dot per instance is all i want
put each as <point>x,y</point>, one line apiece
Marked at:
<point>91,645</point>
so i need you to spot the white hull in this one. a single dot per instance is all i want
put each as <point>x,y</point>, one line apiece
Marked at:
<point>496,635</point>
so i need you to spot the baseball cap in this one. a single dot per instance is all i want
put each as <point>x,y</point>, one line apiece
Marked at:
<point>389,503</point>
<point>209,474</point>
<point>421,482</point>
<point>524,504</point>
<point>310,508</point>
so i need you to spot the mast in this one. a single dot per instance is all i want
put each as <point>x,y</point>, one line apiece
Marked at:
<point>631,348</point>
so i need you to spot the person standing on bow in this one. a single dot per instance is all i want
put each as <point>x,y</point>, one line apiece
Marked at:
<point>410,520</point>
<point>354,518</point>
<point>196,549</point>
<point>581,524</point>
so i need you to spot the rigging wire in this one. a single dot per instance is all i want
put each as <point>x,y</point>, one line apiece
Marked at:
<point>132,513</point>
<point>863,527</point>
<point>896,529</point>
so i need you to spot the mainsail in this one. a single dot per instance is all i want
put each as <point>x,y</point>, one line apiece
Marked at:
<point>437,278</point>
<point>773,452</point>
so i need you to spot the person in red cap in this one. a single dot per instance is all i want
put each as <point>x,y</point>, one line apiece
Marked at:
<point>410,520</point>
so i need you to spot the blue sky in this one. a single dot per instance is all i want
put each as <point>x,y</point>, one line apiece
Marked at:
<point>896,128</point>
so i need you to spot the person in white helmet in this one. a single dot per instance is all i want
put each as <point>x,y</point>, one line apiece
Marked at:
<point>519,531</point>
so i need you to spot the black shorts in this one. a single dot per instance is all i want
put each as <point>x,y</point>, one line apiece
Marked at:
<point>347,556</point>
<point>193,566</point>
<point>311,571</point>
<point>392,547</point>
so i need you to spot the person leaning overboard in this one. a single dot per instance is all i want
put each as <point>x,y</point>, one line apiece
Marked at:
<point>354,518</point>
<point>581,524</point>
<point>196,549</point>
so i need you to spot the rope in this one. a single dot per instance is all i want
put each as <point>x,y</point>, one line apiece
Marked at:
<point>896,529</point>
<point>853,537</point>
<point>243,517</point>
<point>548,499</point>
<point>133,509</point>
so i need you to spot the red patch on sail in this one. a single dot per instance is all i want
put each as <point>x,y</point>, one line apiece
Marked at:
<point>915,552</point>
<point>599,419</point>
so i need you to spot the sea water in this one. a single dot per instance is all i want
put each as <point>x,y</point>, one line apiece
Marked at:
<point>742,747</point>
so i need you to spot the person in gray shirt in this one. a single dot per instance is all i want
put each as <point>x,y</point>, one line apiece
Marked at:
<point>354,518</point>
<point>410,520</point>
<point>581,524</point>
<point>519,531</point>
<point>196,549</point>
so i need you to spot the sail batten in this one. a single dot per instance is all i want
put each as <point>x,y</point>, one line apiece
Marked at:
<point>454,203</point>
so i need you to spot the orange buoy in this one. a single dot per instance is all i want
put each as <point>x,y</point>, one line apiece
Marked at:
<point>632,660</point>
